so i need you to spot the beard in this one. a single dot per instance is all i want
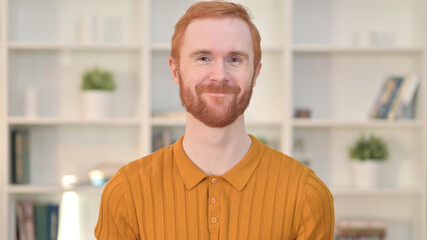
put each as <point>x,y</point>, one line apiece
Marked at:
<point>200,109</point>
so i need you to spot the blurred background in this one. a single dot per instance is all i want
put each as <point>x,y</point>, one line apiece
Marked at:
<point>85,88</point>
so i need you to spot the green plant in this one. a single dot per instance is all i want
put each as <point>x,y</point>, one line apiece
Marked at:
<point>98,79</point>
<point>365,148</point>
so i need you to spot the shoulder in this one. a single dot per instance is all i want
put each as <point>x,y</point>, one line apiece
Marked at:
<point>298,178</point>
<point>286,165</point>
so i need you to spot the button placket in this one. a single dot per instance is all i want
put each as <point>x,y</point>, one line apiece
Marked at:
<point>213,198</point>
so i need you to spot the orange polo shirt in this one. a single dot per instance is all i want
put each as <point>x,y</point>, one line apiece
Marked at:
<point>267,195</point>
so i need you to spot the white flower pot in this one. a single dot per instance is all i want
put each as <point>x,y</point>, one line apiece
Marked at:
<point>366,174</point>
<point>96,103</point>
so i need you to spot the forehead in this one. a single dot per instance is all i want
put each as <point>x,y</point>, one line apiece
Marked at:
<point>222,34</point>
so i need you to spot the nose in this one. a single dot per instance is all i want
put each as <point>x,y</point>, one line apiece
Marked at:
<point>219,71</point>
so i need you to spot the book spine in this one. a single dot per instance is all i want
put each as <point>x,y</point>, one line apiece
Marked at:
<point>53,221</point>
<point>393,86</point>
<point>28,210</point>
<point>19,211</point>
<point>41,215</point>
<point>20,156</point>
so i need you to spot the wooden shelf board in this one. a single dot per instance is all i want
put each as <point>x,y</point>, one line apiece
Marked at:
<point>350,192</point>
<point>38,189</point>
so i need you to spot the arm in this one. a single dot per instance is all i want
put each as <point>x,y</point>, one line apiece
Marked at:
<point>317,215</point>
<point>114,221</point>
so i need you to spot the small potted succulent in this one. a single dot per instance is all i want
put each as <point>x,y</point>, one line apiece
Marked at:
<point>367,153</point>
<point>97,86</point>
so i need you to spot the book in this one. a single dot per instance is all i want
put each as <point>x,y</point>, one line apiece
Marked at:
<point>387,96</point>
<point>20,156</point>
<point>25,220</point>
<point>41,216</point>
<point>37,221</point>
<point>359,229</point>
<point>53,221</point>
<point>406,103</point>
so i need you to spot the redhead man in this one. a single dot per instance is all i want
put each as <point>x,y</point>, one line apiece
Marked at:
<point>216,181</point>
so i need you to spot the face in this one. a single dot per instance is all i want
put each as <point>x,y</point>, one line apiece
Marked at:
<point>215,71</point>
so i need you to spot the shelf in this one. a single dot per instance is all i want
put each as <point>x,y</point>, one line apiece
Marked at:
<point>30,189</point>
<point>351,192</point>
<point>322,123</point>
<point>343,49</point>
<point>74,121</point>
<point>71,46</point>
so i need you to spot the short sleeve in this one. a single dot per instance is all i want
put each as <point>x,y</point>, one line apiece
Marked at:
<point>317,220</point>
<point>114,221</point>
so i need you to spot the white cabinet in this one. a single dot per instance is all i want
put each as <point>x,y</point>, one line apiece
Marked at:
<point>329,56</point>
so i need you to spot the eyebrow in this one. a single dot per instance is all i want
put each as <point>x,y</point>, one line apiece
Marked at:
<point>201,52</point>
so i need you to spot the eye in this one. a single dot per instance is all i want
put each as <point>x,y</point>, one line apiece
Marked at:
<point>203,59</point>
<point>235,60</point>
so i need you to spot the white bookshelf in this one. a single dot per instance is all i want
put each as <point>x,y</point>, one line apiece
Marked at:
<point>27,121</point>
<point>71,46</point>
<point>310,60</point>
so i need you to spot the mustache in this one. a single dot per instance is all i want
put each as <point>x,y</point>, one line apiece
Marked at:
<point>218,88</point>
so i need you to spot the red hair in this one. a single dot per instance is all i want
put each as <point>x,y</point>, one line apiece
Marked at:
<point>215,9</point>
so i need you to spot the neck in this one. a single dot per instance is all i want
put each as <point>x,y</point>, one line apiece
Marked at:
<point>216,150</point>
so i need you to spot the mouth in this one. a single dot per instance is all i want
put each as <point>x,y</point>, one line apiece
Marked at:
<point>217,90</point>
<point>218,94</point>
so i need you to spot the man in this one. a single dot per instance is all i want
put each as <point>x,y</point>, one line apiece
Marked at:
<point>216,181</point>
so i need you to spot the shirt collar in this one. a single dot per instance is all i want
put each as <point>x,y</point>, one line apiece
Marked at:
<point>238,176</point>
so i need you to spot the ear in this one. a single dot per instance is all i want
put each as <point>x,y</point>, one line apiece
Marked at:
<point>257,71</point>
<point>173,66</point>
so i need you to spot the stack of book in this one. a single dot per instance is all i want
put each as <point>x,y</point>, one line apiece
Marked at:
<point>20,156</point>
<point>36,221</point>
<point>361,230</point>
<point>396,99</point>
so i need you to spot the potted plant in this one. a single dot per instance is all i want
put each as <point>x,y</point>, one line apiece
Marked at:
<point>97,86</point>
<point>367,153</point>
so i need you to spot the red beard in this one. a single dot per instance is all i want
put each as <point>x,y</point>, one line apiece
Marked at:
<point>200,109</point>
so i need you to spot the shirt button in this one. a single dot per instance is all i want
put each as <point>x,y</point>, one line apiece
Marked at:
<point>214,220</point>
<point>213,200</point>
<point>214,180</point>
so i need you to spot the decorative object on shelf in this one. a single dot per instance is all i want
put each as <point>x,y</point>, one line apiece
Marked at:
<point>404,105</point>
<point>387,96</point>
<point>367,152</point>
<point>396,99</point>
<point>97,177</point>
<point>20,155</point>
<point>97,86</point>
<point>69,181</point>
<point>302,113</point>
<point>103,172</point>
<point>361,229</point>
<point>301,153</point>
<point>31,102</point>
